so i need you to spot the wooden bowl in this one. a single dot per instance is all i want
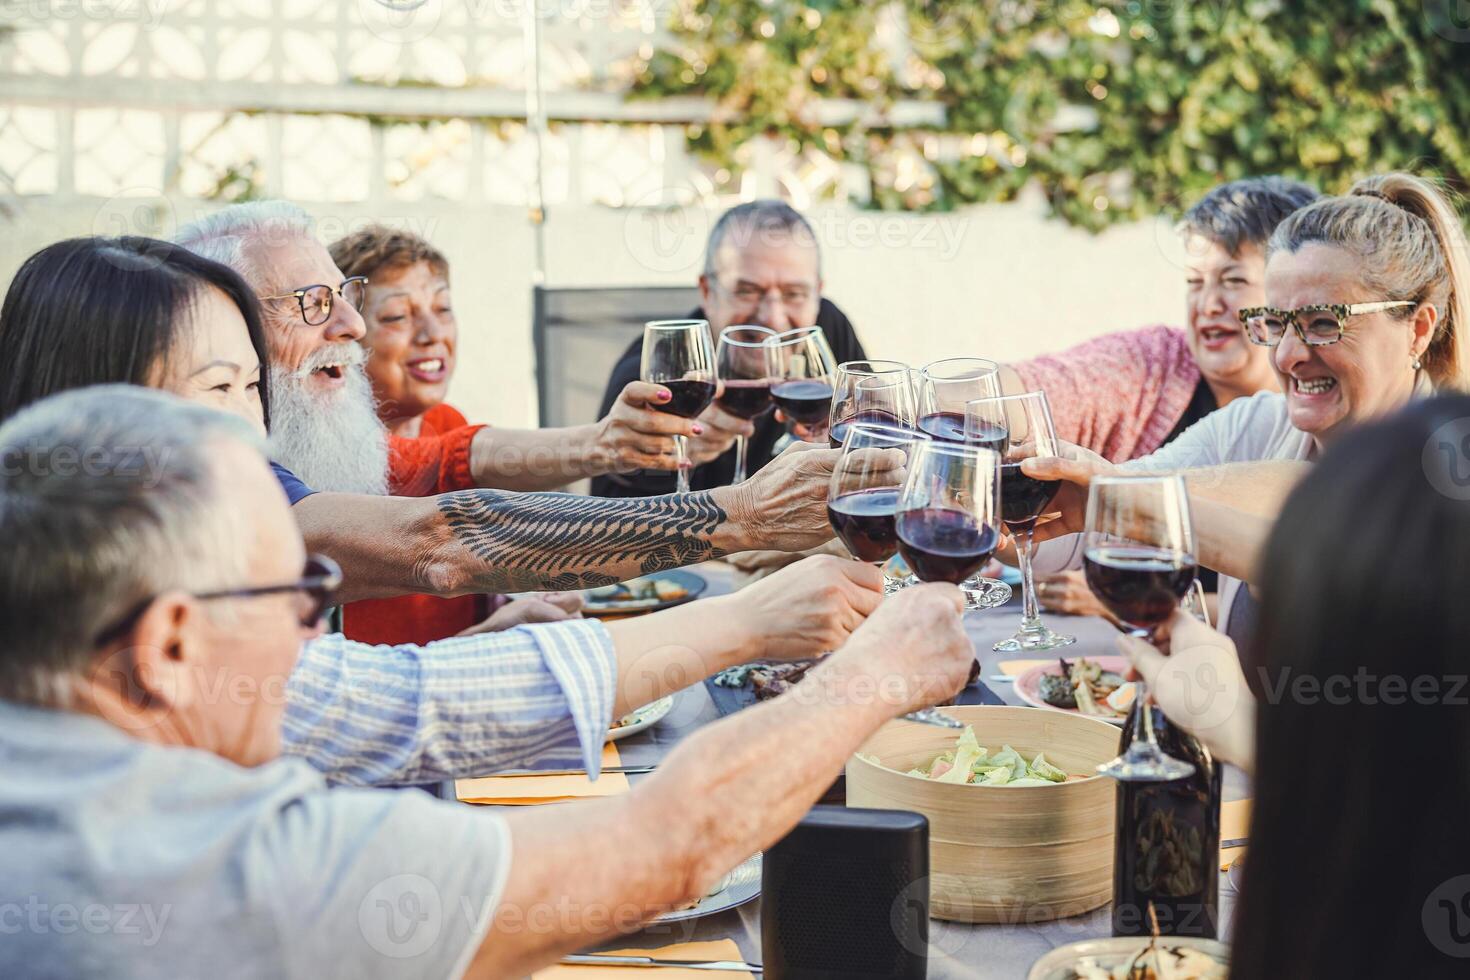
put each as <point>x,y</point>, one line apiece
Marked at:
<point>996,853</point>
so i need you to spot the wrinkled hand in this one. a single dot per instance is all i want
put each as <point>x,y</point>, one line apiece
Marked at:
<point>784,506</point>
<point>1200,686</point>
<point>914,647</point>
<point>541,607</point>
<point>720,430</point>
<point>1067,592</point>
<point>1075,467</point>
<point>635,435</point>
<point>809,608</point>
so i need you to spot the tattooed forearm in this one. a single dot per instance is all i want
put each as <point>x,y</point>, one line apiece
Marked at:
<point>508,542</point>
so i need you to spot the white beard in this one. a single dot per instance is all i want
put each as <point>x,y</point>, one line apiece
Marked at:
<point>334,441</point>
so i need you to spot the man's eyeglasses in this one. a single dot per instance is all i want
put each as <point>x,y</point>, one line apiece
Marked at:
<point>748,294</point>
<point>1317,325</point>
<point>316,301</point>
<point>316,589</point>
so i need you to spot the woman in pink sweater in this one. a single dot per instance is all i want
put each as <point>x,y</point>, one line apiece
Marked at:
<point>1125,394</point>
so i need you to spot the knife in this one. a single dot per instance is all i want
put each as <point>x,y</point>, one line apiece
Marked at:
<point>1234,842</point>
<point>567,772</point>
<point>933,716</point>
<point>609,959</point>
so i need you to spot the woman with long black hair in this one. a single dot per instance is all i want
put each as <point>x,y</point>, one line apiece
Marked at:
<point>1359,862</point>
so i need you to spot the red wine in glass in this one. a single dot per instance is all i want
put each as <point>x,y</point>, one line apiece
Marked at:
<point>746,399</point>
<point>1140,585</point>
<point>944,426</point>
<point>689,397</point>
<point>864,520</point>
<point>875,417</point>
<point>943,544</point>
<point>989,436</point>
<point>1023,498</point>
<point>807,402</point>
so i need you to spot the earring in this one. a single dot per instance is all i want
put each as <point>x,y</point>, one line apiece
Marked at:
<point>1417,363</point>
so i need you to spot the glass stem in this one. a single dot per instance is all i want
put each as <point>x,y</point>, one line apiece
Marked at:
<point>681,455</point>
<point>1146,716</point>
<point>1030,613</point>
<point>740,473</point>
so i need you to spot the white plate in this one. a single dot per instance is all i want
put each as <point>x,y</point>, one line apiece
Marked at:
<point>1110,953</point>
<point>739,887</point>
<point>644,718</point>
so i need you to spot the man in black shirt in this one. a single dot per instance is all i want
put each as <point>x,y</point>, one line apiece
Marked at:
<point>763,266</point>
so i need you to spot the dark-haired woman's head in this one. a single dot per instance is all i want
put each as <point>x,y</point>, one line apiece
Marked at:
<point>1362,779</point>
<point>1225,236</point>
<point>134,310</point>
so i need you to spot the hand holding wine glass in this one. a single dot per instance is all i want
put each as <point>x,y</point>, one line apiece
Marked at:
<point>744,363</point>
<point>1022,425</point>
<point>1139,558</point>
<point>862,503</point>
<point>678,355</point>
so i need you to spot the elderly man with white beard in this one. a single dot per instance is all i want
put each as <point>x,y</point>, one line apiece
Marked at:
<point>472,540</point>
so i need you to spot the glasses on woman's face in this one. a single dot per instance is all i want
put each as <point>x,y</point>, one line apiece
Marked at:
<point>316,591</point>
<point>1317,325</point>
<point>316,301</point>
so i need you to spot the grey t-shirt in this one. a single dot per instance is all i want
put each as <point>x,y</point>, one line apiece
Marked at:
<point>119,859</point>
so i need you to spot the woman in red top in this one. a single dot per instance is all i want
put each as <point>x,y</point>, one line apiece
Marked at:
<point>411,341</point>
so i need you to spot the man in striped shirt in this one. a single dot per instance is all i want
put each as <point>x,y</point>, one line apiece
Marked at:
<point>151,830</point>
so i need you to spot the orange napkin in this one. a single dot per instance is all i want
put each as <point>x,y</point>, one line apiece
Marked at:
<point>518,790</point>
<point>1235,821</point>
<point>720,949</point>
<point>1015,668</point>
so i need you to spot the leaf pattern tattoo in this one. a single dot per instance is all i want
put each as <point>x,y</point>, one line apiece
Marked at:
<point>562,541</point>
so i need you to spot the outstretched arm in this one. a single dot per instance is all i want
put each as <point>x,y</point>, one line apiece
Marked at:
<point>499,541</point>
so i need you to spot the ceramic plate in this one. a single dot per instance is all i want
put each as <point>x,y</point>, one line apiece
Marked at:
<point>1060,963</point>
<point>1028,685</point>
<point>644,718</point>
<point>739,887</point>
<point>604,600</point>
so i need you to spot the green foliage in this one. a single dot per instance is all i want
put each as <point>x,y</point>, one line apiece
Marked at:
<point>1116,109</point>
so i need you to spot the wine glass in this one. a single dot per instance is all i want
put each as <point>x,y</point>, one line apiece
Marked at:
<point>862,499</point>
<point>1139,557</point>
<point>945,387</point>
<point>678,355</point>
<point>1022,425</point>
<point>802,372</point>
<point>744,363</point>
<point>948,521</point>
<point>879,392</point>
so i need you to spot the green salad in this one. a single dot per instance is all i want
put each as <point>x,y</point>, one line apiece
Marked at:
<point>970,762</point>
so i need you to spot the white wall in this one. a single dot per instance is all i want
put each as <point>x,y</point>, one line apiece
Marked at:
<point>997,281</point>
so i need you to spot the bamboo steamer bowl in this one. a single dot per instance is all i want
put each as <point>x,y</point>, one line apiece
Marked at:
<point>1003,854</point>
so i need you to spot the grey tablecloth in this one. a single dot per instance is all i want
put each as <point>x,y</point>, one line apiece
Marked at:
<point>958,951</point>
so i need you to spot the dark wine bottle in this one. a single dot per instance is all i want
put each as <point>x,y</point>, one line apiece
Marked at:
<point>1167,849</point>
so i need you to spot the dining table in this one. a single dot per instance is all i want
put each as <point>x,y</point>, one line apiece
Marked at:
<point>958,951</point>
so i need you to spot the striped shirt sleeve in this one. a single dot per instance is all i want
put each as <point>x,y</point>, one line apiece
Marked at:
<point>390,715</point>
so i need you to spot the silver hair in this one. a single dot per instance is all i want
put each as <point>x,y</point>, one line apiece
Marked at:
<point>766,218</point>
<point>234,236</point>
<point>108,497</point>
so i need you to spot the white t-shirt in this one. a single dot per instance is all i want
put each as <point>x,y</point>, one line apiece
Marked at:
<point>124,859</point>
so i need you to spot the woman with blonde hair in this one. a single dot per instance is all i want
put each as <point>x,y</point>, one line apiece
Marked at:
<point>1368,295</point>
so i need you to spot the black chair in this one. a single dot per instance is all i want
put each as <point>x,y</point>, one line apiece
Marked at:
<point>581,332</point>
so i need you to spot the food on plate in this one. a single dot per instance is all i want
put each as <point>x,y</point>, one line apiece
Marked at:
<point>1084,686</point>
<point>1154,962</point>
<point>771,680</point>
<point>640,590</point>
<point>972,763</point>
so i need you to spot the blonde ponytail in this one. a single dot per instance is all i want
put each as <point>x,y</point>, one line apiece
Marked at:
<point>1409,236</point>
